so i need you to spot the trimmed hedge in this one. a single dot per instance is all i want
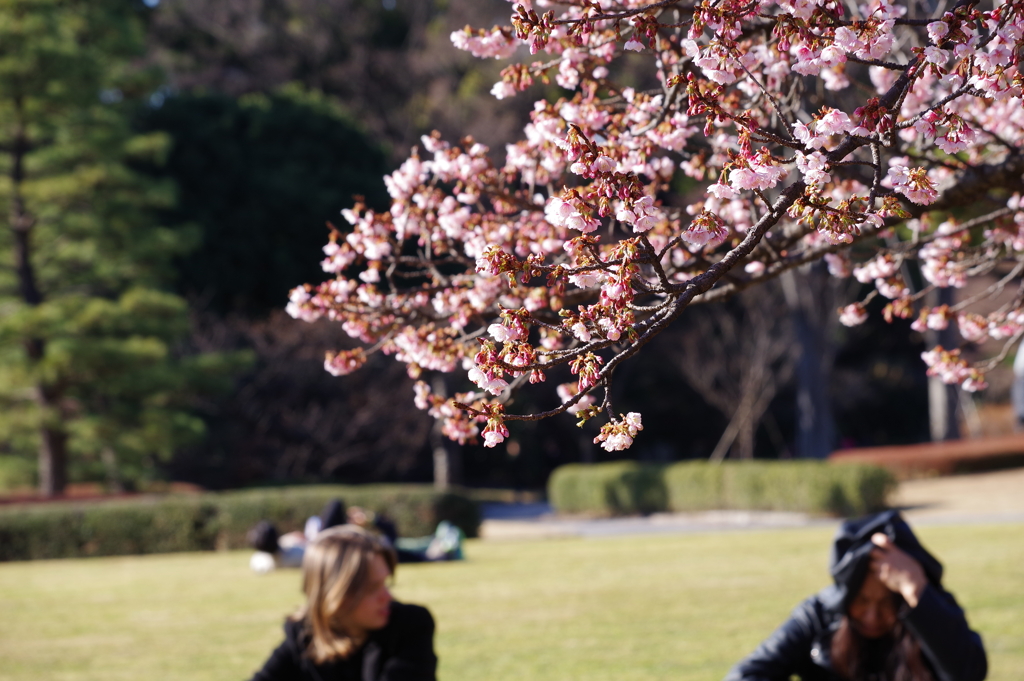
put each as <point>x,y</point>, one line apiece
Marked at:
<point>807,486</point>
<point>210,521</point>
<point>695,486</point>
<point>614,488</point>
<point>416,509</point>
<point>626,487</point>
<point>107,528</point>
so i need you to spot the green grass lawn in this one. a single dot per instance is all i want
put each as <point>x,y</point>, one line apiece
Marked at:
<point>654,607</point>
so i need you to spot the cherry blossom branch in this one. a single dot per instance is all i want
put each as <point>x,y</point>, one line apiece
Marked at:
<point>624,14</point>
<point>960,228</point>
<point>992,290</point>
<point>1003,354</point>
<point>498,280</point>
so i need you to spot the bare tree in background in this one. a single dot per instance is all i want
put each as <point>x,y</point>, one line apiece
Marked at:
<point>737,357</point>
<point>290,420</point>
<point>393,67</point>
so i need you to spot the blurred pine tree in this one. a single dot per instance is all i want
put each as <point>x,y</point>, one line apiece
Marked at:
<point>88,358</point>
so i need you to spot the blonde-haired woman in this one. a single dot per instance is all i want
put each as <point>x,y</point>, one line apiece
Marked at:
<point>349,628</point>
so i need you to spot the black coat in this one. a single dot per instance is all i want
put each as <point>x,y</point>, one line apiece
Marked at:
<point>801,646</point>
<point>401,651</point>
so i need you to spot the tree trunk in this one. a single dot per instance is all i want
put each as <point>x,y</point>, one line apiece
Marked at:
<point>587,447</point>
<point>53,438</point>
<point>109,458</point>
<point>738,428</point>
<point>943,399</point>
<point>1017,390</point>
<point>447,460</point>
<point>816,429</point>
<point>447,454</point>
<point>442,477</point>
<point>725,442</point>
<point>942,405</point>
<point>53,474</point>
<point>745,441</point>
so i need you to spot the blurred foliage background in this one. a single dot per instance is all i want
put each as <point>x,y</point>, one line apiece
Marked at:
<point>168,170</point>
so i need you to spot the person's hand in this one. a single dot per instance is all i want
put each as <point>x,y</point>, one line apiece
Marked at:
<point>897,569</point>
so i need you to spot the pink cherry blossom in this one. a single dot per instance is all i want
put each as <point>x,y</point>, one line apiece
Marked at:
<point>706,230</point>
<point>622,204</point>
<point>853,315</point>
<point>345,362</point>
<point>566,391</point>
<point>503,90</point>
<point>493,437</point>
<point>619,436</point>
<point>811,140</point>
<point>722,191</point>
<point>833,122</point>
<point>913,183</point>
<point>972,327</point>
<point>838,265</point>
<point>814,167</point>
<point>496,44</point>
<point>937,30</point>
<point>743,178</point>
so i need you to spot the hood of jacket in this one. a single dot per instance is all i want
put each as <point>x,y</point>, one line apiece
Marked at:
<point>851,553</point>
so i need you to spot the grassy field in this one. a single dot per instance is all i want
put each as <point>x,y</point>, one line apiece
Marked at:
<point>656,607</point>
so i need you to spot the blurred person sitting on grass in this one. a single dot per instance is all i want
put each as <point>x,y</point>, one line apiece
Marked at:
<point>286,551</point>
<point>444,544</point>
<point>350,628</point>
<point>886,618</point>
<point>274,550</point>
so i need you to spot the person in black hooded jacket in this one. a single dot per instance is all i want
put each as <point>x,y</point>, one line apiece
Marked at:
<point>886,618</point>
<point>350,629</point>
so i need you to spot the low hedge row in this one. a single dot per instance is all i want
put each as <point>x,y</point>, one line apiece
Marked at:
<point>613,488</point>
<point>629,487</point>
<point>212,520</point>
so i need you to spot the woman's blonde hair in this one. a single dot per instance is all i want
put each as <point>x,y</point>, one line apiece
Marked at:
<point>336,568</point>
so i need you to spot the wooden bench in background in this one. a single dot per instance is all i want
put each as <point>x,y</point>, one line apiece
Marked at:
<point>941,458</point>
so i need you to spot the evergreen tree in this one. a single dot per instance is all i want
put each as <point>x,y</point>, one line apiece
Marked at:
<point>259,176</point>
<point>88,361</point>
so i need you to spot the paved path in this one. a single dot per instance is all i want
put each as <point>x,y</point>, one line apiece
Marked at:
<point>978,498</point>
